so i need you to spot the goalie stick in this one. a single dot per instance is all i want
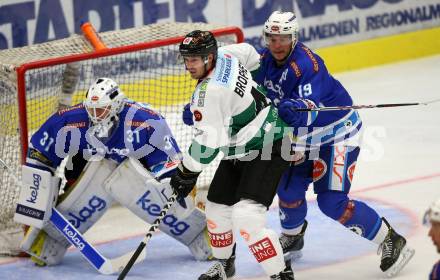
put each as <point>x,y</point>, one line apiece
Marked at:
<point>147,237</point>
<point>338,108</point>
<point>98,261</point>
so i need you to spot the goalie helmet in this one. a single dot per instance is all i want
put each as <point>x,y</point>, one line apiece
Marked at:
<point>281,23</point>
<point>104,100</point>
<point>433,213</point>
<point>198,43</point>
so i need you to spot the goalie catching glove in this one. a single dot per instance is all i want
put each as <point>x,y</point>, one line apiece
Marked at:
<point>183,181</point>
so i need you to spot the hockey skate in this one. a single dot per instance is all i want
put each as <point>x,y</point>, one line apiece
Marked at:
<point>221,270</point>
<point>395,253</point>
<point>292,244</point>
<point>286,274</point>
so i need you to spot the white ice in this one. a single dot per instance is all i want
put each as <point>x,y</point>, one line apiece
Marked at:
<point>398,173</point>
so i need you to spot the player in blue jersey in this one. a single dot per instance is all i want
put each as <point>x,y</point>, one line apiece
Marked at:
<point>325,152</point>
<point>118,151</point>
<point>432,217</point>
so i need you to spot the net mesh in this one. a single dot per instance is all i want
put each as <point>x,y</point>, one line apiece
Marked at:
<point>152,76</point>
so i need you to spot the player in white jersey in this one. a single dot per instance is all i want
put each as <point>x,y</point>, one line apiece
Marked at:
<point>120,151</point>
<point>231,116</point>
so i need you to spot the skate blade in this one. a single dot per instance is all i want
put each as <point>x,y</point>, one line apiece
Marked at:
<point>405,256</point>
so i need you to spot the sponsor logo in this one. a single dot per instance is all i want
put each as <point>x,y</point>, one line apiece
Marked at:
<point>142,124</point>
<point>197,115</point>
<point>283,216</point>
<point>275,28</point>
<point>350,171</point>
<point>34,188</point>
<point>358,229</point>
<point>95,204</point>
<point>35,154</point>
<point>171,164</point>
<point>219,240</point>
<point>244,234</point>
<point>227,72</point>
<point>106,150</point>
<point>142,107</point>
<point>348,213</point>
<point>68,109</point>
<point>263,250</point>
<point>276,88</point>
<point>211,224</point>
<point>296,69</point>
<point>71,234</point>
<point>29,211</point>
<point>176,227</point>
<point>312,58</point>
<point>201,100</point>
<point>74,125</point>
<point>319,169</point>
<point>94,98</point>
<point>197,132</point>
<point>187,40</point>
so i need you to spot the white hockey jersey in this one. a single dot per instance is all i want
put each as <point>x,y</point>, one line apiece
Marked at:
<point>231,115</point>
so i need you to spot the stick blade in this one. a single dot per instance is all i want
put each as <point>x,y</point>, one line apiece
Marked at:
<point>116,265</point>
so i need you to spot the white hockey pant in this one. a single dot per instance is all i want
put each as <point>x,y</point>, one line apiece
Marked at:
<point>249,219</point>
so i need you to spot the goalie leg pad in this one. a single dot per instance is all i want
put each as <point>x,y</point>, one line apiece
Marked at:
<point>88,200</point>
<point>85,203</point>
<point>44,249</point>
<point>249,218</point>
<point>145,196</point>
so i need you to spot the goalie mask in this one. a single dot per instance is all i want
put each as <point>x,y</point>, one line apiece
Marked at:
<point>104,101</point>
<point>281,23</point>
<point>433,213</point>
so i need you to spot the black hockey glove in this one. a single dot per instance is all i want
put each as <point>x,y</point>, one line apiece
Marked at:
<point>183,181</point>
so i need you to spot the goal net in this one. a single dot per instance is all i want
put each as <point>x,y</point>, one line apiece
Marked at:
<point>38,80</point>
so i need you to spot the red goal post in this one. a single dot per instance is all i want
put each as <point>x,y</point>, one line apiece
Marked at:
<point>38,80</point>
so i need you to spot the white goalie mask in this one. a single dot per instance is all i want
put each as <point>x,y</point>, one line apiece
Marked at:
<point>433,213</point>
<point>281,23</point>
<point>104,101</point>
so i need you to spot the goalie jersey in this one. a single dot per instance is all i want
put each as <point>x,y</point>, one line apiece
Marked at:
<point>140,132</point>
<point>305,76</point>
<point>231,114</point>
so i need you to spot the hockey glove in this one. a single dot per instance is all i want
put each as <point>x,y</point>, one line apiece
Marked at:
<point>187,115</point>
<point>287,112</point>
<point>183,181</point>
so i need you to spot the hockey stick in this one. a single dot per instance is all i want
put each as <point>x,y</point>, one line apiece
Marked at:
<point>147,237</point>
<point>98,261</point>
<point>338,108</point>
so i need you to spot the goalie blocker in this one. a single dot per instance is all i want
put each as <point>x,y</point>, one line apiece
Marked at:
<point>38,194</point>
<point>101,184</point>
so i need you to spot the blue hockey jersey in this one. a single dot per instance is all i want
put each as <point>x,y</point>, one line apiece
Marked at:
<point>305,76</point>
<point>140,132</point>
<point>435,272</point>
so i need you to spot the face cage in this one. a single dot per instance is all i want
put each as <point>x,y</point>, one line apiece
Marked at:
<point>98,119</point>
<point>266,37</point>
<point>428,218</point>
